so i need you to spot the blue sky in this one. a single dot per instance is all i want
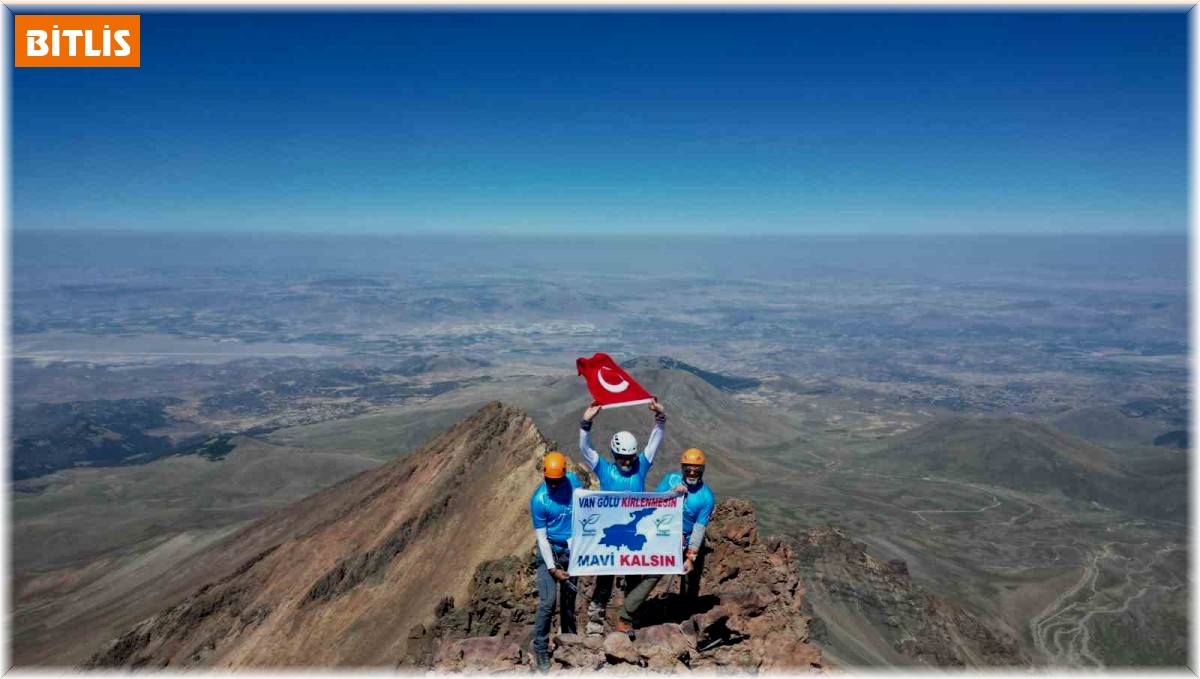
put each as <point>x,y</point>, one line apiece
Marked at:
<point>727,123</point>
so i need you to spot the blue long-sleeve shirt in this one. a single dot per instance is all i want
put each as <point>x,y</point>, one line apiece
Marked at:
<point>697,506</point>
<point>552,511</point>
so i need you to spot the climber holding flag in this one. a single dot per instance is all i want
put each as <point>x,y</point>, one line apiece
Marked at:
<point>550,506</point>
<point>627,472</point>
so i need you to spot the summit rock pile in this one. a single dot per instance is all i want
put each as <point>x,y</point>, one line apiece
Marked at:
<point>748,617</point>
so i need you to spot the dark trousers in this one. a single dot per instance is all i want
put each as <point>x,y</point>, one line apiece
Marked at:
<point>602,592</point>
<point>689,590</point>
<point>547,588</point>
<point>689,584</point>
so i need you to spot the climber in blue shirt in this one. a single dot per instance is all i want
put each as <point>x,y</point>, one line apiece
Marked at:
<point>550,507</point>
<point>699,504</point>
<point>627,472</point>
<point>697,510</point>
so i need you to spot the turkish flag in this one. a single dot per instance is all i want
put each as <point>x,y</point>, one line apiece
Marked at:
<point>610,385</point>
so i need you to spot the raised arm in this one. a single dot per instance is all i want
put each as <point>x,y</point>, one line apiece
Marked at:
<point>656,434</point>
<point>585,438</point>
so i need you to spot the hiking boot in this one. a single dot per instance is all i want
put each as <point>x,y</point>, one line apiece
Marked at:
<point>626,628</point>
<point>595,623</point>
<point>543,662</point>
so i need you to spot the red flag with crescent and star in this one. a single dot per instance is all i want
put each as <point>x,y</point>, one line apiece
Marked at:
<point>610,385</point>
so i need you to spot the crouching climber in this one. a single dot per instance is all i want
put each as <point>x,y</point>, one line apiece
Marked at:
<point>697,509</point>
<point>550,507</point>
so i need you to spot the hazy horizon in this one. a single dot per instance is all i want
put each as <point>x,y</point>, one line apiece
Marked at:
<point>719,257</point>
<point>553,235</point>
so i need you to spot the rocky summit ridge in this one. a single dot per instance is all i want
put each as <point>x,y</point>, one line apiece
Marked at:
<point>749,616</point>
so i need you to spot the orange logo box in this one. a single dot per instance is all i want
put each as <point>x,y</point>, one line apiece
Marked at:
<point>104,40</point>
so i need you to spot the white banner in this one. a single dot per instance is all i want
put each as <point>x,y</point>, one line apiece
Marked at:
<point>626,533</point>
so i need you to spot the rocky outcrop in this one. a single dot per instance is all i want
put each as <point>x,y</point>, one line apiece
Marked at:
<point>748,618</point>
<point>503,595</point>
<point>500,606</point>
<point>862,603</point>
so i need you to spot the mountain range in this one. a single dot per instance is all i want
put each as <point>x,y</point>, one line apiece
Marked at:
<point>422,558</point>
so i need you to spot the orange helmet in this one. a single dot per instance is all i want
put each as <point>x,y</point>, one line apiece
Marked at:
<point>692,456</point>
<point>554,465</point>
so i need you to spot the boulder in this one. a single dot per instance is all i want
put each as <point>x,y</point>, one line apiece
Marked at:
<point>419,648</point>
<point>577,652</point>
<point>480,654</point>
<point>746,603</point>
<point>450,622</point>
<point>663,647</point>
<point>709,628</point>
<point>619,649</point>
<point>781,653</point>
<point>736,522</point>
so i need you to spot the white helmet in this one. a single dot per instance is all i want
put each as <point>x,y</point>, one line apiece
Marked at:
<point>623,443</point>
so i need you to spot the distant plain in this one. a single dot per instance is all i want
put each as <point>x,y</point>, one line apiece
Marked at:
<point>929,395</point>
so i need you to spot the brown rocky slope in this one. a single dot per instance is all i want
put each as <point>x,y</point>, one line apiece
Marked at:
<point>870,613</point>
<point>369,559</point>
